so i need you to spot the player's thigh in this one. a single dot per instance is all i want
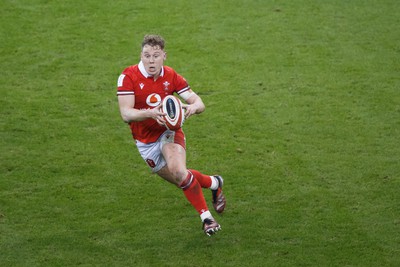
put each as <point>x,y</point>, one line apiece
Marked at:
<point>175,156</point>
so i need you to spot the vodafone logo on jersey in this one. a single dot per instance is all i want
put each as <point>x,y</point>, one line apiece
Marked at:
<point>153,100</point>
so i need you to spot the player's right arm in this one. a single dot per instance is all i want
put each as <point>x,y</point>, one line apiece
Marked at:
<point>129,113</point>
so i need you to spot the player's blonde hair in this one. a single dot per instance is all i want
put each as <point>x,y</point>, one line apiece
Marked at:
<point>153,40</point>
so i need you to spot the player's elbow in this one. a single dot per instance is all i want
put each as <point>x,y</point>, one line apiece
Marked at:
<point>201,110</point>
<point>125,119</point>
<point>200,107</point>
<point>125,116</point>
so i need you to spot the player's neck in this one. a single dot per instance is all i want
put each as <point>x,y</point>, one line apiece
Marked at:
<point>155,77</point>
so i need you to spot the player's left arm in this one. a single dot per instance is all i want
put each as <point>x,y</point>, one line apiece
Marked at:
<point>194,103</point>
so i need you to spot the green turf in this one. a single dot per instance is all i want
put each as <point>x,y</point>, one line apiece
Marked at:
<point>302,120</point>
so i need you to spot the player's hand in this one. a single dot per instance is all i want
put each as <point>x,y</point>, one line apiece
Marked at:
<point>158,115</point>
<point>189,110</point>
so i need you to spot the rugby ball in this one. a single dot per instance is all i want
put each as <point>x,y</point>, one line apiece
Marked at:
<point>175,115</point>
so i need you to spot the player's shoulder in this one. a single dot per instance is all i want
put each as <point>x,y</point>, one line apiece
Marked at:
<point>127,78</point>
<point>169,70</point>
<point>172,74</point>
<point>131,70</point>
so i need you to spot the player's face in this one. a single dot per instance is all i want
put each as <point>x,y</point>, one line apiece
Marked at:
<point>153,59</point>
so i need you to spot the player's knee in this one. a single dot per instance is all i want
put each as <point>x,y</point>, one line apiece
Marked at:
<point>178,175</point>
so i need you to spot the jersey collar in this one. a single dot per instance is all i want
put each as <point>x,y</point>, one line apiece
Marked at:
<point>144,72</point>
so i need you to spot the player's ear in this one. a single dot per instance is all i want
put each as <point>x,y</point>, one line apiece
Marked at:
<point>165,55</point>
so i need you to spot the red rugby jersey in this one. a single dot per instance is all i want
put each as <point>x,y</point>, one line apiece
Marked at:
<point>148,93</point>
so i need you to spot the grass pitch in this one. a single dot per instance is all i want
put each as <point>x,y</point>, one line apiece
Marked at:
<point>302,120</point>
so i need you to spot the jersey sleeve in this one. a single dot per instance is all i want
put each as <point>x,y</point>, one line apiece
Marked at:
<point>181,84</point>
<point>125,85</point>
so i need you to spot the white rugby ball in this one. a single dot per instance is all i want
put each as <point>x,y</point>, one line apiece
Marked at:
<point>175,115</point>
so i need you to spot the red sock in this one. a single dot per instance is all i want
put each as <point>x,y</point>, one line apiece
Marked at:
<point>204,180</point>
<point>193,192</point>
